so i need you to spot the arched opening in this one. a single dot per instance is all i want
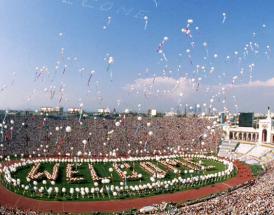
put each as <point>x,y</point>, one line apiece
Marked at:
<point>230,135</point>
<point>264,135</point>
<point>244,136</point>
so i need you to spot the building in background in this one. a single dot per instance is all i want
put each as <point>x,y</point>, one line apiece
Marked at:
<point>171,113</point>
<point>222,118</point>
<point>246,119</point>
<point>52,110</point>
<point>152,112</point>
<point>103,110</point>
<point>246,132</point>
<point>75,111</point>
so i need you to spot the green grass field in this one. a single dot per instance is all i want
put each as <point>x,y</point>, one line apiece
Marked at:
<point>257,169</point>
<point>102,170</point>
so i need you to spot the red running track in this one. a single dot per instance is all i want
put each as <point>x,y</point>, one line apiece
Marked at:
<point>13,200</point>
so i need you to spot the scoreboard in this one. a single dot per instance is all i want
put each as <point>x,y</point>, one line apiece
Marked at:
<point>246,119</point>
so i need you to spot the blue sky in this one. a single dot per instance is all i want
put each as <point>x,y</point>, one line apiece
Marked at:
<point>29,38</point>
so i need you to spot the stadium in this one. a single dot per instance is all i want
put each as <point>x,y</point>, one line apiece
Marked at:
<point>136,107</point>
<point>125,157</point>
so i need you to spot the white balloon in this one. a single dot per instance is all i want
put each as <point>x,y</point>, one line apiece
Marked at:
<point>68,129</point>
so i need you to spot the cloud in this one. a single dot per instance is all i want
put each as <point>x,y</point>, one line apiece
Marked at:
<point>256,84</point>
<point>253,96</point>
<point>267,83</point>
<point>167,92</point>
<point>167,87</point>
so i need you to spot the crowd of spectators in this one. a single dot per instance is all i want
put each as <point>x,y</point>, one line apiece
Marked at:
<point>15,211</point>
<point>122,136</point>
<point>255,199</point>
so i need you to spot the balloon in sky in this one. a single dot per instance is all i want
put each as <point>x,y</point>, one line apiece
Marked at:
<point>156,3</point>
<point>160,48</point>
<point>189,56</point>
<point>92,72</point>
<point>187,30</point>
<point>108,23</point>
<point>205,45</point>
<point>224,17</point>
<point>146,22</point>
<point>110,60</point>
